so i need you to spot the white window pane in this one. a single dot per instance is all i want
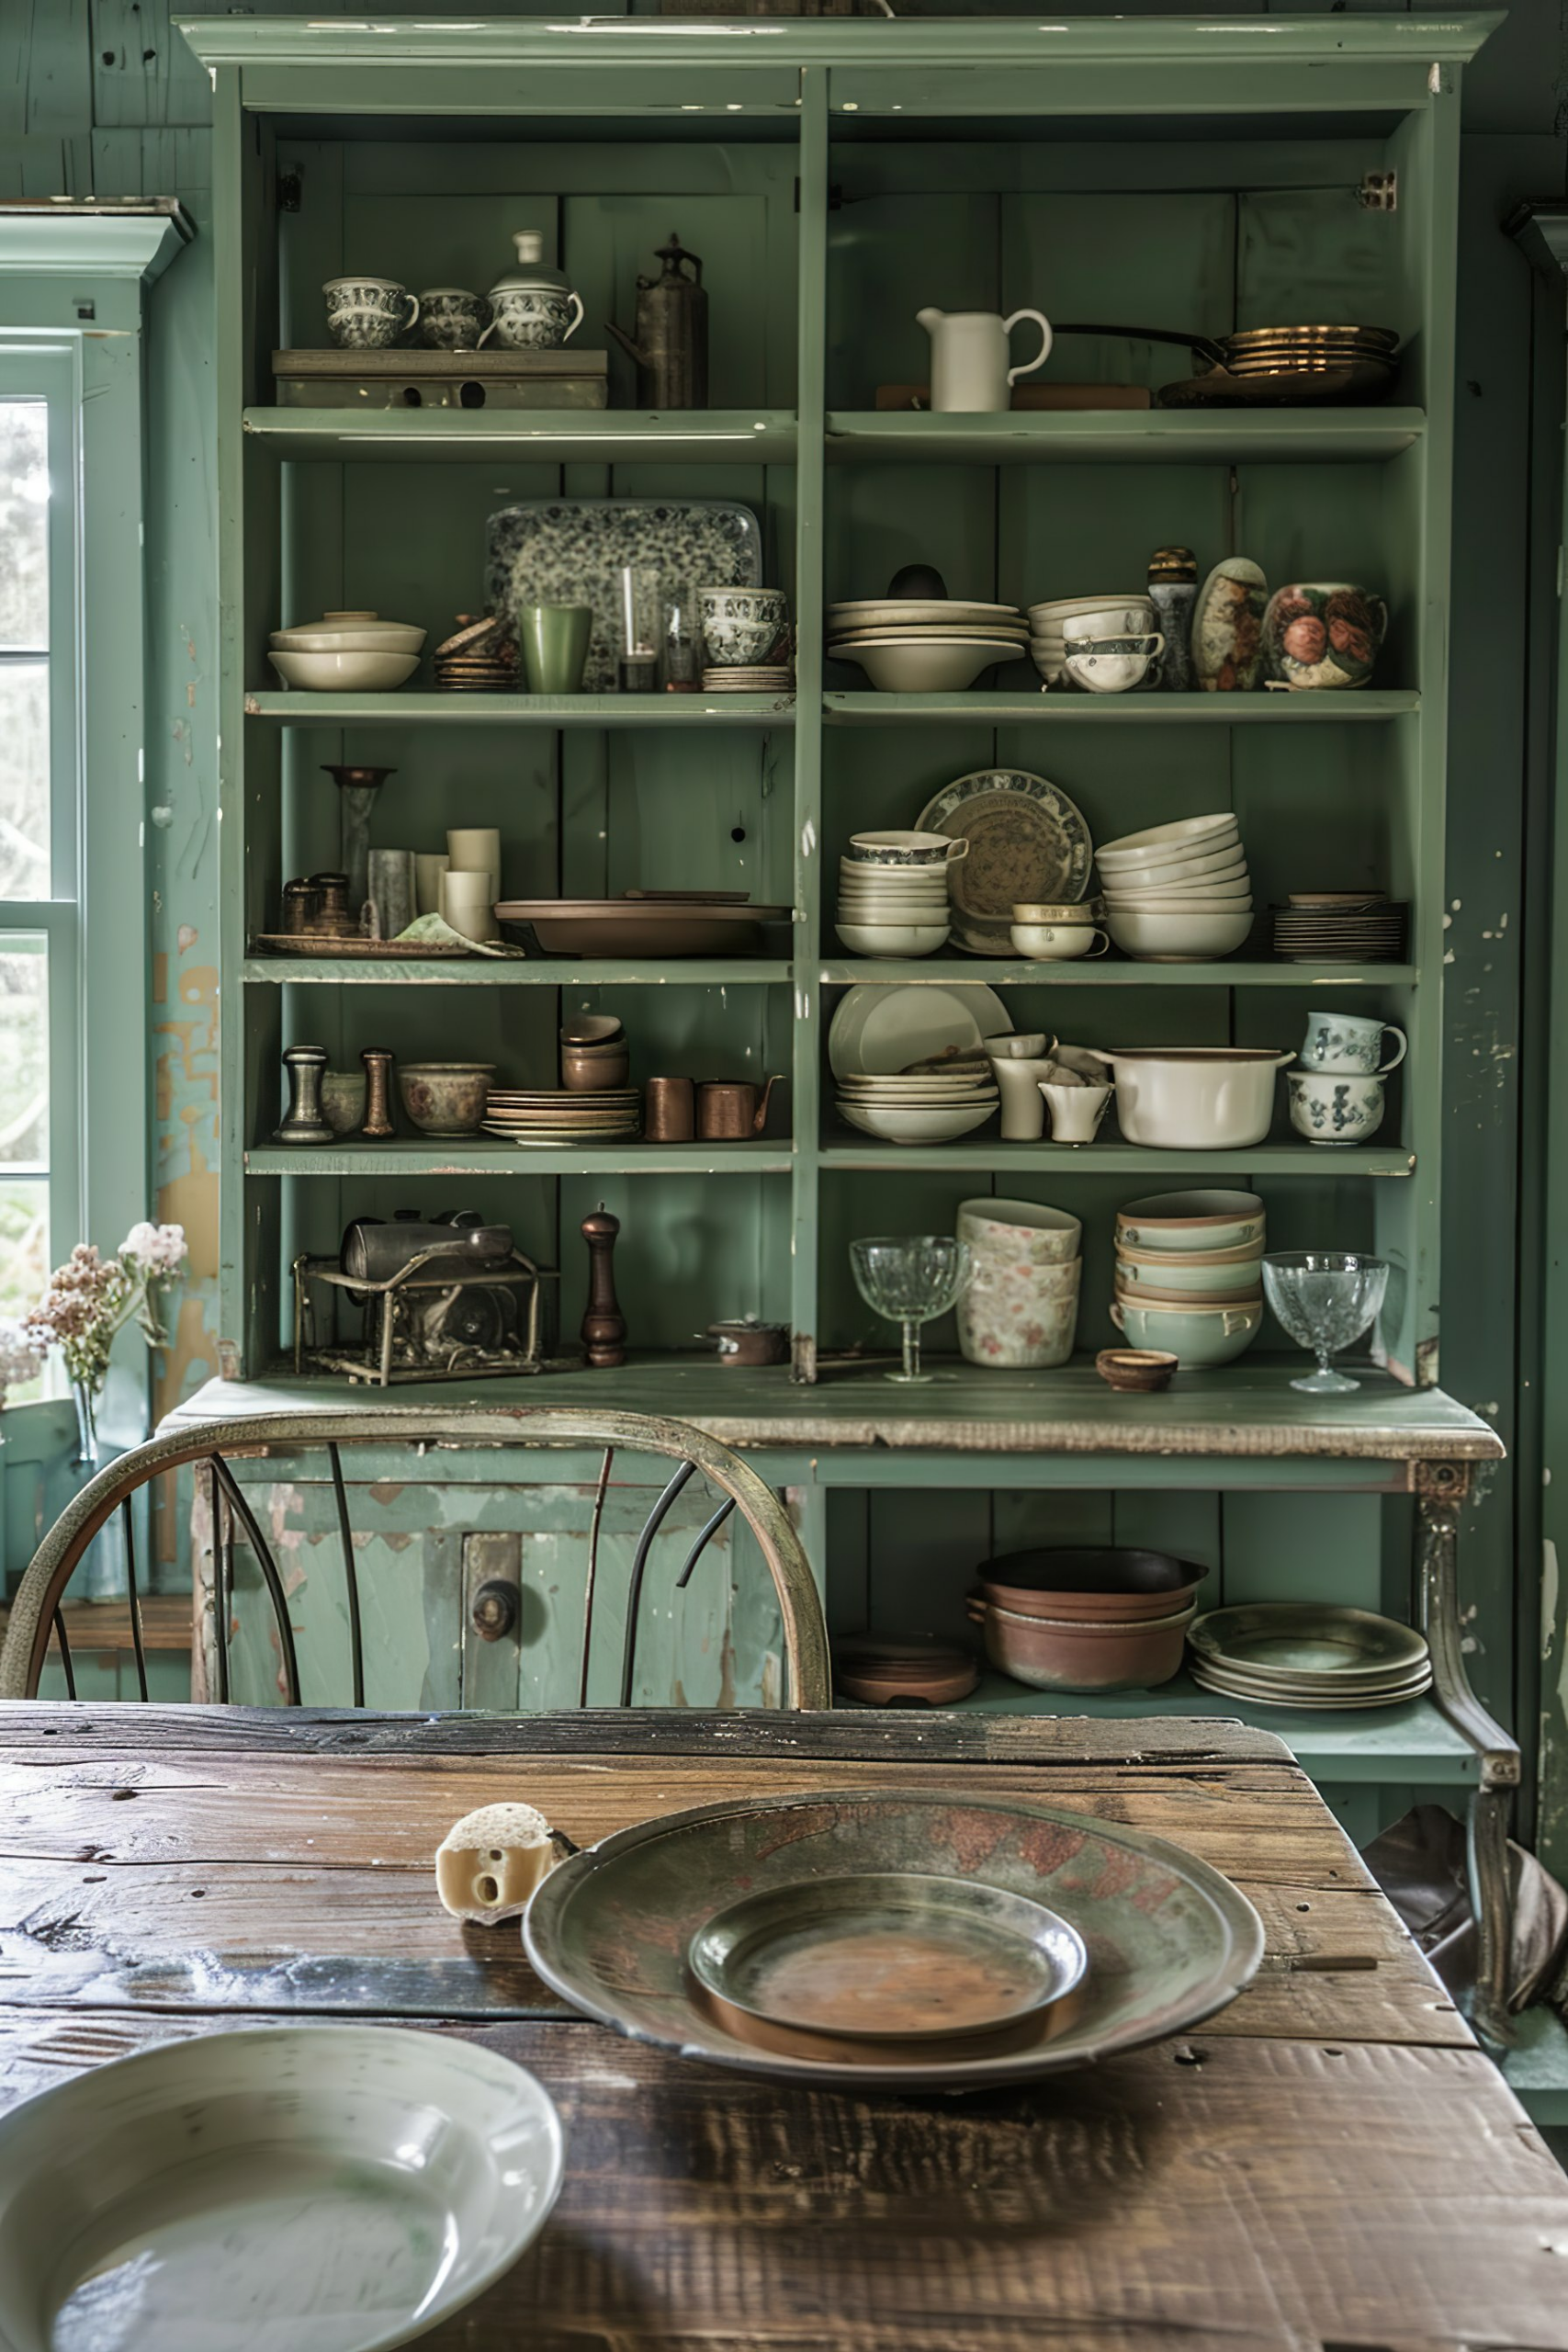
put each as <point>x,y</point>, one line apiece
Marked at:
<point>24,777</point>
<point>24,526</point>
<point>23,1050</point>
<point>24,1245</point>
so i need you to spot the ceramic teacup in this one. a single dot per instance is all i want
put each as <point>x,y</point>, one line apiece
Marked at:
<point>1027,1229</point>
<point>451,319</point>
<point>368,313</point>
<point>916,852</point>
<point>533,318</point>
<point>1333,1107</point>
<point>1075,1111</point>
<point>1351,1042</point>
<point>1057,943</point>
<point>1111,665</point>
<point>741,625</point>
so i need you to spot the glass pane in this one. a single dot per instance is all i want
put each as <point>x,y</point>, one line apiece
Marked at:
<point>24,526</point>
<point>23,1050</point>
<point>24,775</point>
<point>24,1244</point>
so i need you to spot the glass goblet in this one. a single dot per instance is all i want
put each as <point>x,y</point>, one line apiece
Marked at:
<point>1325,1299</point>
<point>910,1278</point>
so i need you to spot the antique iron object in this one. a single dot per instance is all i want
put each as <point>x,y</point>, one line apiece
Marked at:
<point>670,342</point>
<point>1169,1940</point>
<point>446,1298</point>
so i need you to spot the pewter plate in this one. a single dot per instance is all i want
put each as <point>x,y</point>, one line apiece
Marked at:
<point>892,1955</point>
<point>1028,844</point>
<point>571,551</point>
<point>1315,1641</point>
<point>1169,1940</point>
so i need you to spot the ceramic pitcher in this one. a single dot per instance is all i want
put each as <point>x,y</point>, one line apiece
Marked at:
<point>970,354</point>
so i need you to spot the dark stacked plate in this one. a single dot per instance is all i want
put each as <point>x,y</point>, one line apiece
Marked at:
<point>1340,927</point>
<point>481,659</point>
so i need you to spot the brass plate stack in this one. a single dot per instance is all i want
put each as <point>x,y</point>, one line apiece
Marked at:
<point>1294,351</point>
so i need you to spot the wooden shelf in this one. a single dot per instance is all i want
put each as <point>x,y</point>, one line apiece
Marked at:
<point>1101,971</point>
<point>495,971</point>
<point>990,1155</point>
<point>1158,436</point>
<point>522,711</point>
<point>993,708</point>
<point>527,437</point>
<point>457,1156</point>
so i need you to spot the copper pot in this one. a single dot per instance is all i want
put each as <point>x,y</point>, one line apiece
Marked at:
<point>733,1110</point>
<point>1098,1584</point>
<point>749,1342</point>
<point>1076,1654</point>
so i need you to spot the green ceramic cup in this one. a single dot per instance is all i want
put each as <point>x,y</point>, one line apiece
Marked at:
<point>554,639</point>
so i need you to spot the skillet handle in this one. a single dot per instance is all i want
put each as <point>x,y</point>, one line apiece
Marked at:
<point>1203,345</point>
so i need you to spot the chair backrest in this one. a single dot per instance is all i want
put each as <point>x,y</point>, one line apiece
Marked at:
<point>213,1449</point>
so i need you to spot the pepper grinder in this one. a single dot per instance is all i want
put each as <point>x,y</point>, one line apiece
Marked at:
<point>378,1121</point>
<point>303,1121</point>
<point>1173,591</point>
<point>604,1325</point>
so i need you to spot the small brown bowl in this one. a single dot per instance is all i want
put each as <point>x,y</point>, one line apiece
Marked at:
<point>1135,1370</point>
<point>445,1098</point>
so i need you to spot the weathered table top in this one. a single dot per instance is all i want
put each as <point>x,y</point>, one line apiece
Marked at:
<point>1331,2161</point>
<point>1245,1411</point>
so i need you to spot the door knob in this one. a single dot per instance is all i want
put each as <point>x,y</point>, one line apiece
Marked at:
<point>494,1610</point>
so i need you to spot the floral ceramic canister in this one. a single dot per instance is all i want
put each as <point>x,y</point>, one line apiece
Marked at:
<point>1323,633</point>
<point>1227,628</point>
<point>1018,1316</point>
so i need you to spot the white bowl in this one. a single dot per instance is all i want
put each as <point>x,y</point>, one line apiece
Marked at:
<point>892,1125</point>
<point>1179,939</point>
<point>1234,895</point>
<point>1056,943</point>
<point>345,673</point>
<point>1160,843</point>
<point>1194,1098</point>
<point>891,938</point>
<point>1222,865</point>
<point>1061,609</point>
<point>329,2184</point>
<point>383,637</point>
<point>932,666</point>
<point>892,906</point>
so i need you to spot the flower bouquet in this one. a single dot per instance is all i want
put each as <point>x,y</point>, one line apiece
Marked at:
<point>90,1300</point>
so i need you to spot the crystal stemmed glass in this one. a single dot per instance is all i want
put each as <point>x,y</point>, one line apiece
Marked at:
<point>1325,1299</point>
<point>911,1278</point>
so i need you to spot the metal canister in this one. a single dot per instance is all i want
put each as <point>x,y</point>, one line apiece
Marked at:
<point>670,344</point>
<point>1173,590</point>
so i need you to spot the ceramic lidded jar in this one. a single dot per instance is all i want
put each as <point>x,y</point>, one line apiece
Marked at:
<point>1227,628</point>
<point>532,308</point>
<point>1320,633</point>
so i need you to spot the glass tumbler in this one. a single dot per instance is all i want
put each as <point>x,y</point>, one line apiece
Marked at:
<point>1325,1299</point>
<point>911,1279</point>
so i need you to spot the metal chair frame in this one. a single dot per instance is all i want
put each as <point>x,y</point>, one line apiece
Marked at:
<point>36,1615</point>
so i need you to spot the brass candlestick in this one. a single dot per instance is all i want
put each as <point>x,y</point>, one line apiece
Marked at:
<point>604,1325</point>
<point>302,1121</point>
<point>378,1122</point>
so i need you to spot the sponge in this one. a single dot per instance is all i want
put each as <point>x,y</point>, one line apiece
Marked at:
<point>489,1863</point>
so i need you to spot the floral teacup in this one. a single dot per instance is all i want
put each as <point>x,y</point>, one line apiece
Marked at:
<point>368,313</point>
<point>1111,665</point>
<point>741,625</point>
<point>1350,1041</point>
<point>452,319</point>
<point>1329,1107</point>
<point>533,318</point>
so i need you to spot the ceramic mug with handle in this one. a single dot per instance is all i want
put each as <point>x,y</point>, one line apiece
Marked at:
<point>970,354</point>
<point>1351,1042</point>
<point>368,313</point>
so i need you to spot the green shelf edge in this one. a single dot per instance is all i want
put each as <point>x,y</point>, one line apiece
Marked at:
<point>1100,972</point>
<point>494,971</point>
<point>1032,706</point>
<point>994,1157</point>
<point>454,1156</point>
<point>522,711</point>
<point>536,436</point>
<point>1159,436</point>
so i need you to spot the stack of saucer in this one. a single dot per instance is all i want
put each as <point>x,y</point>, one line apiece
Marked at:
<point>752,678</point>
<point>917,645</point>
<point>481,659</point>
<point>1340,927</point>
<point>930,1106</point>
<point>551,1116</point>
<point>893,894</point>
<point>1296,351</point>
<point>1308,1653</point>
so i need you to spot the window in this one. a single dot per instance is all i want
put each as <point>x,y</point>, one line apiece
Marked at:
<point>41,1051</point>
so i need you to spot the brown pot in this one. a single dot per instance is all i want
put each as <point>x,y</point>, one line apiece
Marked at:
<point>1064,1654</point>
<point>1099,1585</point>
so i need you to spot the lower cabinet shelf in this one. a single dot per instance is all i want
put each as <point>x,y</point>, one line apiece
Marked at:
<point>462,1156</point>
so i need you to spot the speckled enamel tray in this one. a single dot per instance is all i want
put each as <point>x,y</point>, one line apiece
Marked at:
<point>1169,1940</point>
<point>1028,844</point>
<point>571,551</point>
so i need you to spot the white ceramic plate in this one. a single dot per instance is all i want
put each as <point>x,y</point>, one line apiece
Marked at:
<point>295,2189</point>
<point>915,1126</point>
<point>1028,844</point>
<point>880,1031</point>
<point>905,612</point>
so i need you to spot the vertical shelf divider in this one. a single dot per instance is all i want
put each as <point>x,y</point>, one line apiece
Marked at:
<point>810,406</point>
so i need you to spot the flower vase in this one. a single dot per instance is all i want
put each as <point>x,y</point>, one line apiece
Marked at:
<point>86,1403</point>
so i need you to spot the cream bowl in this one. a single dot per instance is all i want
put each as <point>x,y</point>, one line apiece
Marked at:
<point>932,666</point>
<point>1167,894</point>
<point>1028,1230</point>
<point>1057,943</point>
<point>891,938</point>
<point>1196,1273</point>
<point>385,637</point>
<point>345,673</point>
<point>1178,939</point>
<point>1194,1098</point>
<point>915,1126</point>
<point>1201,1336</point>
<point>1190,868</point>
<point>1159,841</point>
<point>1207,1221</point>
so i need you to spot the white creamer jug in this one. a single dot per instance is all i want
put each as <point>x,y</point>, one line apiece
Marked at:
<point>970,354</point>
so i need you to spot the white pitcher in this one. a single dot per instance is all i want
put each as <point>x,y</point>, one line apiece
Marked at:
<point>969,356</point>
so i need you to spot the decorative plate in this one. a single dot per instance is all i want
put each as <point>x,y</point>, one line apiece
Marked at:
<point>571,551</point>
<point>1028,844</point>
<point>880,1031</point>
<point>350,2185</point>
<point>1169,1941</point>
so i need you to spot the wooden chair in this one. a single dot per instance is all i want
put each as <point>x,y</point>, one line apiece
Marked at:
<point>36,1615</point>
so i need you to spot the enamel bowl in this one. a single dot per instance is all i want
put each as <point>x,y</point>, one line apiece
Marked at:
<point>1204,1221</point>
<point>1194,1098</point>
<point>1202,1336</point>
<point>942,1126</point>
<point>345,673</point>
<point>1157,938</point>
<point>891,938</point>
<point>342,2187</point>
<point>1193,1273</point>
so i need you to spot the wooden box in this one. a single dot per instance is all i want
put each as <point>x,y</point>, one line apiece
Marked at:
<point>468,379</point>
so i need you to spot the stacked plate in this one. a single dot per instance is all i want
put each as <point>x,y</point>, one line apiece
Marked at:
<point>1308,1653</point>
<point>1129,613</point>
<point>481,659</point>
<point>755,678</point>
<point>917,1669</point>
<point>912,645</point>
<point>926,1106</point>
<point>551,1116</point>
<point>1178,893</point>
<point>893,894</point>
<point>1298,351</point>
<point>1340,927</point>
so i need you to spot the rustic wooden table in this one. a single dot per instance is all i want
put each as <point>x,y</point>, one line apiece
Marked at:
<point>1331,2162</point>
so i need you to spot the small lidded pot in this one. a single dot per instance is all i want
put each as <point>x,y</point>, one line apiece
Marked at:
<point>750,1342</point>
<point>452,319</point>
<point>534,308</point>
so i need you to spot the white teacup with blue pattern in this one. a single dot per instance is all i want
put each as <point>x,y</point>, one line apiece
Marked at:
<point>533,318</point>
<point>1350,1041</point>
<point>368,313</point>
<point>1333,1107</point>
<point>452,319</point>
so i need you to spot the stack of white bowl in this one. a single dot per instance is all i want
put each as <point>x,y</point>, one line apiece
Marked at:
<point>1178,893</point>
<point>892,893</point>
<point>346,654</point>
<point>1131,614</point>
<point>1021,1309</point>
<point>921,1106</point>
<point>1189,1274</point>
